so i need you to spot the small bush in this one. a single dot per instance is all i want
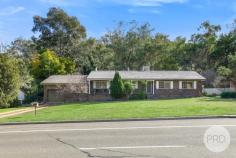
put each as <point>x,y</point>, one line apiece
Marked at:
<point>15,103</point>
<point>228,95</point>
<point>128,88</point>
<point>140,96</point>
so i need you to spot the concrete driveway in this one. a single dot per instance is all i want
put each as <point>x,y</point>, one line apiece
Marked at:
<point>19,111</point>
<point>137,139</point>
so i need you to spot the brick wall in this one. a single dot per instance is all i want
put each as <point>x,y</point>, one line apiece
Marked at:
<point>178,93</point>
<point>66,96</point>
<point>60,94</point>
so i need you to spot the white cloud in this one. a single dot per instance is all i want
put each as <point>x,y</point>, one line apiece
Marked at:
<point>11,10</point>
<point>147,3</point>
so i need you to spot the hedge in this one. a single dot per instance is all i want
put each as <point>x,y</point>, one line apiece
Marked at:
<point>228,95</point>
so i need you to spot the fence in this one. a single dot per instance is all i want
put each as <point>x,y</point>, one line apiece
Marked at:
<point>217,91</point>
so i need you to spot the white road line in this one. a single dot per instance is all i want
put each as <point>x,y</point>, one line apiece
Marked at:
<point>134,147</point>
<point>112,128</point>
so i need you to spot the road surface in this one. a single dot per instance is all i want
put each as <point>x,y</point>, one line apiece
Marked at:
<point>134,139</point>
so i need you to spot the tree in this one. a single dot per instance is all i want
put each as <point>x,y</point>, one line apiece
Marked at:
<point>225,46</point>
<point>69,65</point>
<point>48,63</point>
<point>165,55</point>
<point>202,45</point>
<point>135,45</point>
<point>229,72</point>
<point>232,66</point>
<point>117,87</point>
<point>57,31</point>
<point>223,71</point>
<point>130,44</point>
<point>23,50</point>
<point>90,54</point>
<point>9,80</point>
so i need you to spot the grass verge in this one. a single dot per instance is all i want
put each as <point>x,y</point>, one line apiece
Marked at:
<point>203,106</point>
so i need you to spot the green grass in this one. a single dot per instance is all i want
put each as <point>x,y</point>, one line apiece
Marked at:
<point>204,106</point>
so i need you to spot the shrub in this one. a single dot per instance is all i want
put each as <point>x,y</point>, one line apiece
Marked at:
<point>228,95</point>
<point>15,103</point>
<point>128,88</point>
<point>140,96</point>
<point>117,87</point>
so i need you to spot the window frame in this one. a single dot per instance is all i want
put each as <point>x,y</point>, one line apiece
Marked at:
<point>95,85</point>
<point>164,82</point>
<point>182,86</point>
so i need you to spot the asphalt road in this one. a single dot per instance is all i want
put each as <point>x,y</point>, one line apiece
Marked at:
<point>138,139</point>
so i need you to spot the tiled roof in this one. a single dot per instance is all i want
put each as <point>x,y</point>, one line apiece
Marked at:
<point>63,79</point>
<point>146,75</point>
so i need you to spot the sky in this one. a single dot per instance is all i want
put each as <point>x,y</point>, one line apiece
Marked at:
<point>171,17</point>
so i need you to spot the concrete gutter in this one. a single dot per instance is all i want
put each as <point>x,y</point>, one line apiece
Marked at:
<point>122,120</point>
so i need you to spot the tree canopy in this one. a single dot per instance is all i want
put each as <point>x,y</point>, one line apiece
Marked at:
<point>9,80</point>
<point>48,63</point>
<point>58,31</point>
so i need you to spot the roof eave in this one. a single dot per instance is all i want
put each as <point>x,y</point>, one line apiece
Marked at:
<point>93,79</point>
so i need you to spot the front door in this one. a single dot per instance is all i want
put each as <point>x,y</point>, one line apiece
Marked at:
<point>149,87</point>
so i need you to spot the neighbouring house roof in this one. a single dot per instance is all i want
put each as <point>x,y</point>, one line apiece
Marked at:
<point>65,79</point>
<point>146,75</point>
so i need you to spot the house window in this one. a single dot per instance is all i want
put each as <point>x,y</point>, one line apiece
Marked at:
<point>100,85</point>
<point>135,84</point>
<point>187,84</point>
<point>165,85</point>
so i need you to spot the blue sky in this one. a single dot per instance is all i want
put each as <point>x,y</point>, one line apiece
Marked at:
<point>172,17</point>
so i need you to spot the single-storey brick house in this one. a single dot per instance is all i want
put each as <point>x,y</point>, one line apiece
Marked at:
<point>96,86</point>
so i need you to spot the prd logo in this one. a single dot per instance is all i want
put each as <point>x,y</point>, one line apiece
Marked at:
<point>217,139</point>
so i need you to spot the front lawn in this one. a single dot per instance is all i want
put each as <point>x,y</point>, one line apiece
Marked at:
<point>204,106</point>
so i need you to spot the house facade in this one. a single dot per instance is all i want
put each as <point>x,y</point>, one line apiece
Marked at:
<point>155,84</point>
<point>158,84</point>
<point>65,88</point>
<point>232,85</point>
